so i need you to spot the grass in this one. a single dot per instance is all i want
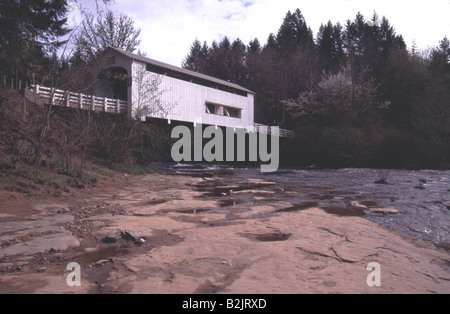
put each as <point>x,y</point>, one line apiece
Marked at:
<point>82,182</point>
<point>93,168</point>
<point>35,180</point>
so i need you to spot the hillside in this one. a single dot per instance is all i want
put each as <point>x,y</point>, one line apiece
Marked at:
<point>54,151</point>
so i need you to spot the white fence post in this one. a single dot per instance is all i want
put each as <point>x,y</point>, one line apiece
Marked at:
<point>80,101</point>
<point>52,96</point>
<point>67,94</point>
<point>93,103</point>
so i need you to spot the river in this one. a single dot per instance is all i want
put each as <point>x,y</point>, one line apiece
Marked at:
<point>422,197</point>
<point>233,230</point>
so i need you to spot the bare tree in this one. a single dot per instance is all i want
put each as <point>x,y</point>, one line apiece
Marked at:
<point>147,93</point>
<point>96,34</point>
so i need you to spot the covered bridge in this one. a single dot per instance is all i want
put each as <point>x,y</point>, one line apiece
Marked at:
<point>127,83</point>
<point>153,89</point>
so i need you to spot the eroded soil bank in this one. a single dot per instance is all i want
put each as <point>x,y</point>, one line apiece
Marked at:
<point>244,233</point>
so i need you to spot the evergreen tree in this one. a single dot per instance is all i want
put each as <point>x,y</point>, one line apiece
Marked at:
<point>253,64</point>
<point>237,62</point>
<point>254,47</point>
<point>294,33</point>
<point>379,42</point>
<point>30,32</point>
<point>330,46</point>
<point>197,57</point>
<point>444,46</point>
<point>219,55</point>
<point>271,43</point>
<point>354,36</point>
<point>440,58</point>
<point>370,43</point>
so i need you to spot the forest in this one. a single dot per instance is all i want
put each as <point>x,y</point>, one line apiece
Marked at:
<point>355,94</point>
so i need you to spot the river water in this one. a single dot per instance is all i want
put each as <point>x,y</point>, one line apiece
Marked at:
<point>421,196</point>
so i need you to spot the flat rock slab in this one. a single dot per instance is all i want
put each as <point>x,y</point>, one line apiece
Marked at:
<point>300,252</point>
<point>385,210</point>
<point>44,243</point>
<point>194,246</point>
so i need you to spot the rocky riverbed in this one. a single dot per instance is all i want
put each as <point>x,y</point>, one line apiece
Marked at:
<point>296,231</point>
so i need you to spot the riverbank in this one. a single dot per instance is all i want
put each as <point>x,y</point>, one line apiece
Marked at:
<point>240,233</point>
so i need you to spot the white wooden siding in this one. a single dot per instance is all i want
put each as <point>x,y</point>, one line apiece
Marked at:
<point>190,100</point>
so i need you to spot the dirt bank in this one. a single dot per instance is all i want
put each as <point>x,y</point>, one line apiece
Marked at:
<point>179,234</point>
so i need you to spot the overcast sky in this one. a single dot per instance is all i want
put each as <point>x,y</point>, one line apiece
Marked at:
<point>168,27</point>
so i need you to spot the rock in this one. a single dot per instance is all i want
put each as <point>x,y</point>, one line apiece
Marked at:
<point>447,204</point>
<point>101,262</point>
<point>420,187</point>
<point>64,210</point>
<point>357,205</point>
<point>132,268</point>
<point>137,237</point>
<point>367,210</point>
<point>112,236</point>
<point>385,210</point>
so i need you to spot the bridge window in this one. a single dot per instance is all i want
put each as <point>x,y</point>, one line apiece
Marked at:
<point>210,108</point>
<point>232,112</point>
<point>222,110</point>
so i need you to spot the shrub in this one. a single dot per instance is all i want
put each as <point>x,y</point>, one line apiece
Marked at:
<point>303,149</point>
<point>343,147</point>
<point>397,149</point>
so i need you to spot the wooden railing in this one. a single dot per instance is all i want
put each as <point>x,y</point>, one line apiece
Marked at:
<point>63,98</point>
<point>59,97</point>
<point>264,129</point>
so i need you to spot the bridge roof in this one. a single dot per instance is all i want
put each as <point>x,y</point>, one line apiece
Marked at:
<point>180,70</point>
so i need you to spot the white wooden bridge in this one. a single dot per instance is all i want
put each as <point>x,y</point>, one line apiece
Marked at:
<point>57,97</point>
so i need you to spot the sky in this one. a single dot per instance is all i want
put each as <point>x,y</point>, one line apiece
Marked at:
<point>168,27</point>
